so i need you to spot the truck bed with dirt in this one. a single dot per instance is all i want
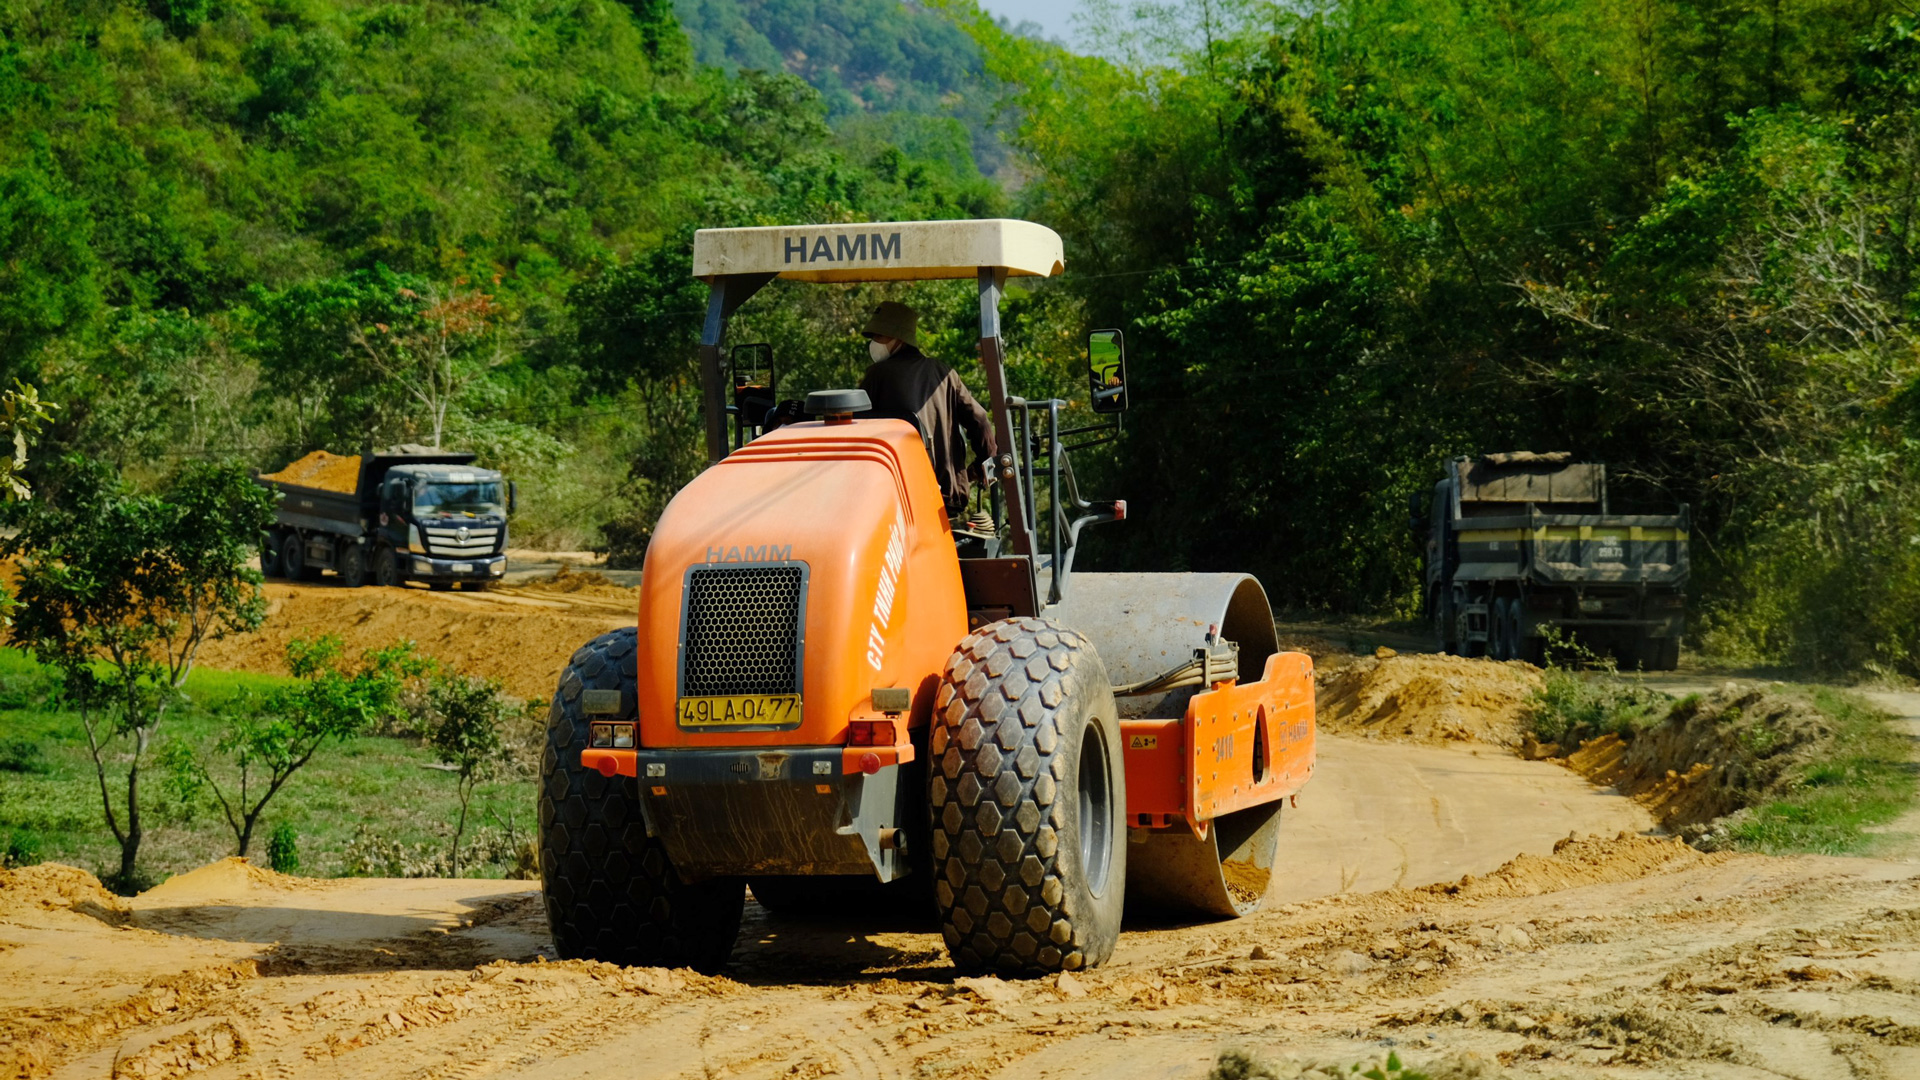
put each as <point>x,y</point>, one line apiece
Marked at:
<point>1524,548</point>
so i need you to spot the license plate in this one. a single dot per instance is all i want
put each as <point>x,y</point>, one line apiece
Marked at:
<point>463,568</point>
<point>744,710</point>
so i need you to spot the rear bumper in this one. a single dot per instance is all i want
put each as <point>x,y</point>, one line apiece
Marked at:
<point>772,810</point>
<point>482,568</point>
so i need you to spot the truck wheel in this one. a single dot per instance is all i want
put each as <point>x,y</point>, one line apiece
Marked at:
<point>353,566</point>
<point>1497,648</point>
<point>1663,654</point>
<point>292,558</point>
<point>1028,795</point>
<point>386,570</point>
<point>611,892</point>
<point>1442,615</point>
<point>270,555</point>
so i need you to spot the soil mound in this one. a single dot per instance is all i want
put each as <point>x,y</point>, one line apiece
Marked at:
<point>328,472</point>
<point>1428,698</point>
<point>54,887</point>
<point>581,583</point>
<point>1576,862</point>
<point>523,640</point>
<point>228,879</point>
<point>1712,755</point>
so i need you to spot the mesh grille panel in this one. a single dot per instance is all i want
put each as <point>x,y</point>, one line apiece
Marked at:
<point>743,625</point>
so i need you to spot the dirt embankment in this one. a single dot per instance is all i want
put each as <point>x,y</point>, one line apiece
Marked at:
<point>1712,756</point>
<point>521,635</point>
<point>1428,698</point>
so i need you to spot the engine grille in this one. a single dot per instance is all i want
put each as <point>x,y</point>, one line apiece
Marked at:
<point>451,542</point>
<point>742,631</point>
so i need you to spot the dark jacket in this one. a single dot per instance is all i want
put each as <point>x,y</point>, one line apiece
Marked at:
<point>912,386</point>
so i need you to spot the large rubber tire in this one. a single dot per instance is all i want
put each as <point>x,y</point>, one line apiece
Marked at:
<point>611,892</point>
<point>270,555</point>
<point>293,557</point>
<point>1028,795</point>
<point>353,566</point>
<point>387,571</point>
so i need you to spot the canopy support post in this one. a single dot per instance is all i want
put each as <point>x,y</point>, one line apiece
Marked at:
<point>1005,469</point>
<point>725,294</point>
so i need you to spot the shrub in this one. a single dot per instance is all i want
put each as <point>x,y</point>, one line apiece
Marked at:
<point>23,756</point>
<point>283,849</point>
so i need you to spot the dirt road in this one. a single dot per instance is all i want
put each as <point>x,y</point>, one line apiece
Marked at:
<point>1624,956</point>
<point>1560,939</point>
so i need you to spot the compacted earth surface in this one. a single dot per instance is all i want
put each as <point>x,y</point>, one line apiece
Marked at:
<point>1439,898</point>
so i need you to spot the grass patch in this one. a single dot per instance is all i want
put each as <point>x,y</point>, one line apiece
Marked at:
<point>1572,706</point>
<point>375,785</point>
<point>1865,779</point>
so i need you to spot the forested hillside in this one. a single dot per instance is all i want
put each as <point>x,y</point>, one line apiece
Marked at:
<point>1678,238</point>
<point>247,228</point>
<point>1345,245</point>
<point>887,69</point>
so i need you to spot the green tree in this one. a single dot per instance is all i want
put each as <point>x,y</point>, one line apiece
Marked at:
<point>467,716</point>
<point>265,742</point>
<point>119,591</point>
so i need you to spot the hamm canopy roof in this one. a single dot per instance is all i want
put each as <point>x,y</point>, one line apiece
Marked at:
<point>882,251</point>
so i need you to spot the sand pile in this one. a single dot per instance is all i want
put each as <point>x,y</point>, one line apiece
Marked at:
<point>1712,756</point>
<point>54,887</point>
<point>582,582</point>
<point>328,472</point>
<point>1428,698</point>
<point>230,878</point>
<point>1587,860</point>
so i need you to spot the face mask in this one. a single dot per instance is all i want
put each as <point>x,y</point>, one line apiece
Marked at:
<point>878,351</point>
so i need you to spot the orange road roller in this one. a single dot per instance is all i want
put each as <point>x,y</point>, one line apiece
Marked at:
<point>840,698</point>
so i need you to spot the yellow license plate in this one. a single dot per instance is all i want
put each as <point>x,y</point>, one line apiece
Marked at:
<point>744,710</point>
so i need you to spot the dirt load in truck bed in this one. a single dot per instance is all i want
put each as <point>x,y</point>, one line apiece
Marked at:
<point>327,472</point>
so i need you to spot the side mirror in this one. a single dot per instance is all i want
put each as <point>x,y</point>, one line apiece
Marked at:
<point>1107,370</point>
<point>749,363</point>
<point>513,495</point>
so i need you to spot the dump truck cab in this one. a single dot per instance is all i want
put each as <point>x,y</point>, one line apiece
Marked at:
<point>828,691</point>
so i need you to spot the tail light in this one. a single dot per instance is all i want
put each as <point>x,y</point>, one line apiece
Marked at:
<point>870,733</point>
<point>610,736</point>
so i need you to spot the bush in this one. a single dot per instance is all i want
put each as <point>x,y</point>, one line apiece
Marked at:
<point>1582,697</point>
<point>22,848</point>
<point>283,849</point>
<point>23,756</point>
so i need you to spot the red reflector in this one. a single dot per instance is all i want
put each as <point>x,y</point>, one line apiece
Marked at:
<point>1119,509</point>
<point>869,763</point>
<point>607,766</point>
<point>870,733</point>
